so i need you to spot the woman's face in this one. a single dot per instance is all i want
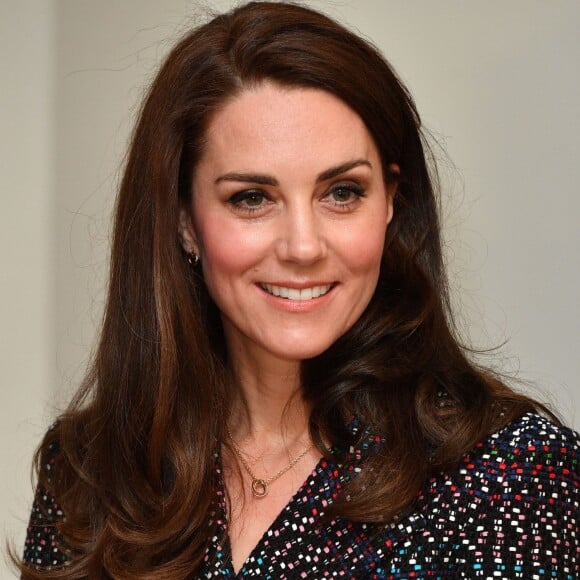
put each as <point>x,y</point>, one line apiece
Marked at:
<point>289,214</point>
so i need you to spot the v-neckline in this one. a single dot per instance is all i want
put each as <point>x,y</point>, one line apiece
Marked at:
<point>353,456</point>
<point>225,536</point>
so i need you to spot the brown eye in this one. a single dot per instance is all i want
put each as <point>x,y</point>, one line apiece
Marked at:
<point>248,201</point>
<point>253,199</point>
<point>345,194</point>
<point>342,195</point>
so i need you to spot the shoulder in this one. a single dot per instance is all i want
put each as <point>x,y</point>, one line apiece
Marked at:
<point>526,473</point>
<point>43,545</point>
<point>530,460</point>
<point>531,447</point>
<point>532,433</point>
<point>49,456</point>
<point>512,503</point>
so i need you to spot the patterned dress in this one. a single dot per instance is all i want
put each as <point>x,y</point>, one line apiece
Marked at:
<point>510,510</point>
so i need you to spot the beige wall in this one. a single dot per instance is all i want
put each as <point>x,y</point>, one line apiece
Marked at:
<point>496,82</point>
<point>27,281</point>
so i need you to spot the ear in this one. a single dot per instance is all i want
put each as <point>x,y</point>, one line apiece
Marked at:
<point>392,184</point>
<point>186,232</point>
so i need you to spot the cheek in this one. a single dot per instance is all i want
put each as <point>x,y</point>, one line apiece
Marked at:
<point>363,247</point>
<point>227,251</point>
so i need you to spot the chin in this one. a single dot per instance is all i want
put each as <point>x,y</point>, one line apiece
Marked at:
<point>299,354</point>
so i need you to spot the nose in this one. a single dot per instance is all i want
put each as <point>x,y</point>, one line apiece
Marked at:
<point>301,238</point>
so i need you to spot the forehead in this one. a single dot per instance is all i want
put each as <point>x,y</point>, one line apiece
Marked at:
<point>284,126</point>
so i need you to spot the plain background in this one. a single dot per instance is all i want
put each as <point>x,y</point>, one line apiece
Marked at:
<point>496,82</point>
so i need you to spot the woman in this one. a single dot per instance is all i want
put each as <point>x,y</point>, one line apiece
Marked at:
<point>278,391</point>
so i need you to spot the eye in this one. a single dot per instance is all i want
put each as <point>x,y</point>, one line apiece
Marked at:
<point>345,194</point>
<point>249,200</point>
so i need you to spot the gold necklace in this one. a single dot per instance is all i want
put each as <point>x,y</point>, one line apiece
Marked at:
<point>260,486</point>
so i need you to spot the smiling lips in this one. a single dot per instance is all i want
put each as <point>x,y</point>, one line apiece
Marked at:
<point>296,293</point>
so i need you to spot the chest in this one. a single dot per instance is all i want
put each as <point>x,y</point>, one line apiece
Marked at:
<point>249,518</point>
<point>287,537</point>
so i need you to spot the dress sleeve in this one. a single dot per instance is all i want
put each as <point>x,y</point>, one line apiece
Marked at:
<point>43,548</point>
<point>528,523</point>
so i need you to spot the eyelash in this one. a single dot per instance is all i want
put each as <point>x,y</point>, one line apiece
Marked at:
<point>239,199</point>
<point>356,190</point>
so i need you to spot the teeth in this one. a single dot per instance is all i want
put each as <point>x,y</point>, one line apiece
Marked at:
<point>295,293</point>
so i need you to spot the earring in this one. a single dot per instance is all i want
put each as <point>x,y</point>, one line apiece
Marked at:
<point>193,259</point>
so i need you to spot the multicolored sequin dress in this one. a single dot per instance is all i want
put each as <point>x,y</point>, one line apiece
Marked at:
<point>510,510</point>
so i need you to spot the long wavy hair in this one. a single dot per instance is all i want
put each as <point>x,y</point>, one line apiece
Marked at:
<point>137,444</point>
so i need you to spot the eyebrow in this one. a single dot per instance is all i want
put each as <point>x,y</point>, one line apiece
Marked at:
<point>343,168</point>
<point>261,179</point>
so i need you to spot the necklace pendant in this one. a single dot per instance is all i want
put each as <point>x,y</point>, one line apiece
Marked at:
<point>259,488</point>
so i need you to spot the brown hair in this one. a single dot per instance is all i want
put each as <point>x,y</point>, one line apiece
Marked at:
<point>138,442</point>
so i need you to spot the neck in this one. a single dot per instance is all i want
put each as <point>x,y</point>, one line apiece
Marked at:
<point>270,410</point>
